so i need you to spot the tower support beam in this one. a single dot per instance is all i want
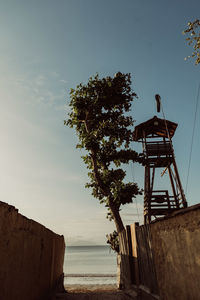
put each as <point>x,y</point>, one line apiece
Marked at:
<point>158,152</point>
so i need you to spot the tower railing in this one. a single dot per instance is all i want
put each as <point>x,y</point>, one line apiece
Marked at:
<point>158,148</point>
<point>155,135</point>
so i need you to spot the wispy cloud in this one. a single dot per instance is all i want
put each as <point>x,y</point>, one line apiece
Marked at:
<point>80,241</point>
<point>62,107</point>
<point>63,81</point>
<point>73,178</point>
<point>47,88</point>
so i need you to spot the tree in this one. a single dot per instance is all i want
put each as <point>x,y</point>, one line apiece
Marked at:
<point>193,30</point>
<point>99,115</point>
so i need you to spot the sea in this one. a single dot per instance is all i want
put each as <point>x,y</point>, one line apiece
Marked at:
<point>90,265</point>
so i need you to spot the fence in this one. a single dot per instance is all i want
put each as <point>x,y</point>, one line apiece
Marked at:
<point>146,265</point>
<point>137,262</point>
<point>162,258</point>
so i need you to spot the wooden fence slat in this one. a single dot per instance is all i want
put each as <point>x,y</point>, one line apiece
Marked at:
<point>147,273</point>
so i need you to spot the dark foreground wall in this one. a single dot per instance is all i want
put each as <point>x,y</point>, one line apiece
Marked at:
<point>31,257</point>
<point>176,249</point>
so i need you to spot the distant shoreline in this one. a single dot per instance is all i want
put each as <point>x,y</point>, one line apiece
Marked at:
<point>90,275</point>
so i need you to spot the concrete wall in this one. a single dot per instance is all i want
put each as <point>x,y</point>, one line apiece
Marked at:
<point>176,249</point>
<point>31,257</point>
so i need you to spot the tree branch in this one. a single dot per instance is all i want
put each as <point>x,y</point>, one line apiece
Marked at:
<point>105,190</point>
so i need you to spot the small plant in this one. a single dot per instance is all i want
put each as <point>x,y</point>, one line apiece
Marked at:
<point>113,241</point>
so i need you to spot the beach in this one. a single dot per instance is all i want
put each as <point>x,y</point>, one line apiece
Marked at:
<point>90,266</point>
<point>90,273</point>
<point>94,292</point>
<point>90,288</point>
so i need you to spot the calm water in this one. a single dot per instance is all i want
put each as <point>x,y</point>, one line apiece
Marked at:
<point>90,265</point>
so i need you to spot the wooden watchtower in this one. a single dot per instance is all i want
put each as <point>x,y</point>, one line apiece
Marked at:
<point>155,135</point>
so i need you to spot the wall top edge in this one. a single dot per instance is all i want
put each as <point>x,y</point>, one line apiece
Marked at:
<point>10,208</point>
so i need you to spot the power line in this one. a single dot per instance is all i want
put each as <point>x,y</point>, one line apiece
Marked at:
<point>132,172</point>
<point>192,140</point>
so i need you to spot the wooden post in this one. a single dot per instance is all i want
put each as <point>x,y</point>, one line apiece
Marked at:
<point>173,187</point>
<point>135,272</point>
<point>179,183</point>
<point>125,278</point>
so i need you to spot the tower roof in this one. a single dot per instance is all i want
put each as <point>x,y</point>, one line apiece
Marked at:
<point>154,126</point>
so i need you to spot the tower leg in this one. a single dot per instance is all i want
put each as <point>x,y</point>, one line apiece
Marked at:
<point>173,187</point>
<point>179,183</point>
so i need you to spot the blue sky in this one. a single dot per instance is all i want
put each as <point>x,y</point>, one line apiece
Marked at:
<point>48,47</point>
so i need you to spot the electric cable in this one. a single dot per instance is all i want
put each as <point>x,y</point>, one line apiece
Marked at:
<point>192,139</point>
<point>132,172</point>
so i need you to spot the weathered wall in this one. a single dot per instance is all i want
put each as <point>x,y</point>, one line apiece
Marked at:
<point>31,257</point>
<point>176,249</point>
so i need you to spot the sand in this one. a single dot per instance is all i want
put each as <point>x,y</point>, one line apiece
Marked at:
<point>94,292</point>
<point>90,288</point>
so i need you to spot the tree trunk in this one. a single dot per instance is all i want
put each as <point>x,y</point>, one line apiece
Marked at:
<point>123,259</point>
<point>116,216</point>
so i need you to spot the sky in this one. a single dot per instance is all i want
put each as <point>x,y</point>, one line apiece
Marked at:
<point>50,46</point>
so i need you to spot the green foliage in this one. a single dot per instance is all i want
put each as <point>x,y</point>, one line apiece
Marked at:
<point>99,115</point>
<point>193,39</point>
<point>113,241</point>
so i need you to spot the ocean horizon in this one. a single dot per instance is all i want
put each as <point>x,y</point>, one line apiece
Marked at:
<point>86,265</point>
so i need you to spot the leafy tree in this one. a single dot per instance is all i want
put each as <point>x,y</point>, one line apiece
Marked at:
<point>193,30</point>
<point>99,115</point>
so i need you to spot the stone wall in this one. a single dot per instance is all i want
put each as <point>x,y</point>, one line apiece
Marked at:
<point>31,257</point>
<point>176,250</point>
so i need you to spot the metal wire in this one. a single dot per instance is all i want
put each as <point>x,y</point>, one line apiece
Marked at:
<point>132,172</point>
<point>192,140</point>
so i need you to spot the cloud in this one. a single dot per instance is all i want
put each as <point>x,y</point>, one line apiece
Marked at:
<point>46,88</point>
<point>73,178</point>
<point>40,80</point>
<point>80,241</point>
<point>62,107</point>
<point>54,74</point>
<point>63,81</point>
